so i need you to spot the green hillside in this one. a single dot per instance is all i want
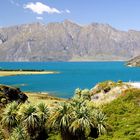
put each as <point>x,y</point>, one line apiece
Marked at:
<point>78,118</point>
<point>124,116</point>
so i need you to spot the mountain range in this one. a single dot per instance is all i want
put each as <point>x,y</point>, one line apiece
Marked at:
<point>67,41</point>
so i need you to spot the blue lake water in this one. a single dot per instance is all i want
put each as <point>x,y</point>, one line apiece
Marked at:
<point>72,75</point>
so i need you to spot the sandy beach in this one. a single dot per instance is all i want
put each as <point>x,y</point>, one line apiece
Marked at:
<point>13,73</point>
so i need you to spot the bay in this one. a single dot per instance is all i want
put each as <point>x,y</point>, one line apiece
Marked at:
<point>72,75</point>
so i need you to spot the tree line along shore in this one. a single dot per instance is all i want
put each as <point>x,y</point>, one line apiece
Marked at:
<point>21,70</point>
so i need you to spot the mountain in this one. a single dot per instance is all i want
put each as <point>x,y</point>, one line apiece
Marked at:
<point>134,62</point>
<point>67,41</point>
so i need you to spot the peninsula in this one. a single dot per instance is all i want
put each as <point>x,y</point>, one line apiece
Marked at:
<point>7,72</point>
<point>135,62</point>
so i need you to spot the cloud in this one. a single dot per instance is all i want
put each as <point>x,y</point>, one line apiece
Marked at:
<point>14,2</point>
<point>68,11</point>
<point>39,18</point>
<point>40,8</point>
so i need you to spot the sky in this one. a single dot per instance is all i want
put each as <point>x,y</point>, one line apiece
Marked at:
<point>121,14</point>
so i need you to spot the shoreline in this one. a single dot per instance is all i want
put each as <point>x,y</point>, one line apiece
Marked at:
<point>134,84</point>
<point>15,73</point>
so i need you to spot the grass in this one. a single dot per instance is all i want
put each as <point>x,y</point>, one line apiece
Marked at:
<point>35,98</point>
<point>108,85</point>
<point>124,116</point>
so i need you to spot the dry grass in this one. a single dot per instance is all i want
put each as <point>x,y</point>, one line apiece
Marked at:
<point>36,98</point>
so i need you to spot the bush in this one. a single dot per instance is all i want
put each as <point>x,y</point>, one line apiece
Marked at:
<point>1,136</point>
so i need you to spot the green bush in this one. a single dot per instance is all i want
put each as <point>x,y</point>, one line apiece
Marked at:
<point>1,135</point>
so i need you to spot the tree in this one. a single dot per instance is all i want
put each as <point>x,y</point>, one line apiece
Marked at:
<point>19,133</point>
<point>43,114</point>
<point>9,119</point>
<point>61,117</point>
<point>1,135</point>
<point>87,120</point>
<point>29,119</point>
<point>100,121</point>
<point>81,125</point>
<point>82,94</point>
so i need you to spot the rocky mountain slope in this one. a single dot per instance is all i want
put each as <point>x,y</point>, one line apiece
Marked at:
<point>134,62</point>
<point>67,41</point>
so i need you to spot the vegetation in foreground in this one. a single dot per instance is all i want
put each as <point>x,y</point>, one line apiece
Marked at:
<point>123,114</point>
<point>77,119</point>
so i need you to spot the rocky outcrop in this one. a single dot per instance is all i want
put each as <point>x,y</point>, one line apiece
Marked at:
<point>67,41</point>
<point>9,94</point>
<point>135,62</point>
<point>107,91</point>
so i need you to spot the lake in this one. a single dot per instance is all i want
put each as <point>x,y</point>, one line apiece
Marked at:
<point>72,75</point>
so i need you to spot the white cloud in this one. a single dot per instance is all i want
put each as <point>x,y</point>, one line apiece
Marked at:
<point>40,8</point>
<point>39,18</point>
<point>68,11</point>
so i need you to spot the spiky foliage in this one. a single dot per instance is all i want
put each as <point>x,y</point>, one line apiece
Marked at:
<point>77,93</point>
<point>43,114</point>
<point>82,123</point>
<point>9,119</point>
<point>61,117</point>
<point>1,135</point>
<point>82,94</point>
<point>19,133</point>
<point>76,119</point>
<point>100,121</point>
<point>29,119</point>
<point>77,103</point>
<point>87,120</point>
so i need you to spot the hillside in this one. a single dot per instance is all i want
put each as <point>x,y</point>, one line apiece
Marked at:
<point>67,41</point>
<point>78,118</point>
<point>134,62</point>
<point>124,117</point>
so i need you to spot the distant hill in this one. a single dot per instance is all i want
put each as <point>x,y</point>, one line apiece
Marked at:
<point>67,41</point>
<point>134,62</point>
